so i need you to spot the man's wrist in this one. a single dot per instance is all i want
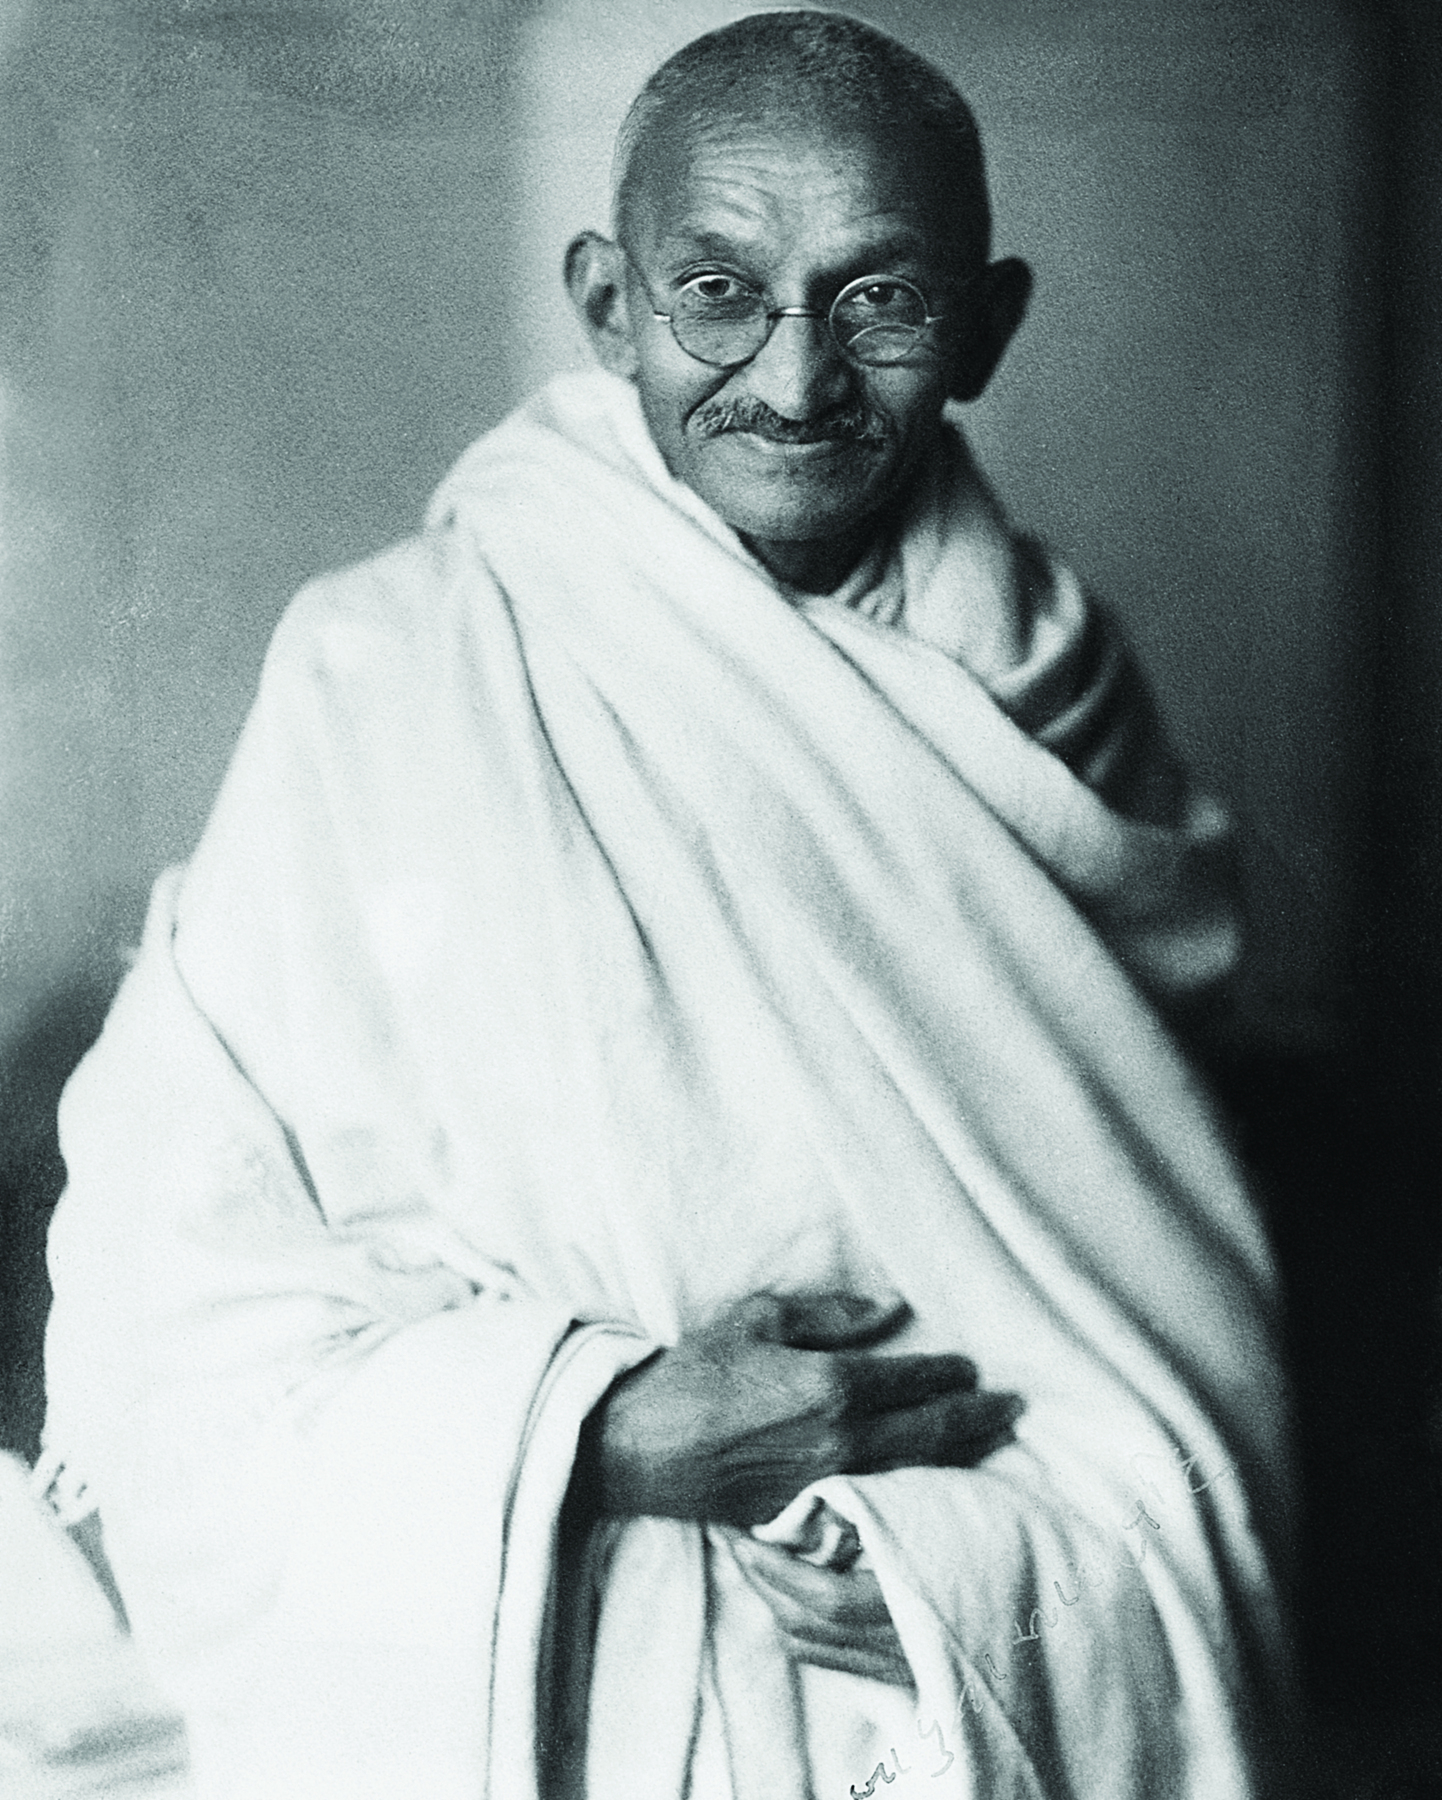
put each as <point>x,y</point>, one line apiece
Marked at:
<point>604,1473</point>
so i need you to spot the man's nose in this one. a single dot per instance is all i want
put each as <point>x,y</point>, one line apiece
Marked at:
<point>799,371</point>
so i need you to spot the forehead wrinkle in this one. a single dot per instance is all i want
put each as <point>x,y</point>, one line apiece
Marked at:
<point>904,243</point>
<point>728,191</point>
<point>737,150</point>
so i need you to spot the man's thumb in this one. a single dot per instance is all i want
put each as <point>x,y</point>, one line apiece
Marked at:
<point>833,1320</point>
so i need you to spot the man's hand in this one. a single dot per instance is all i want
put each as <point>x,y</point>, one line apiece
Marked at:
<point>731,1423</point>
<point>834,1618</point>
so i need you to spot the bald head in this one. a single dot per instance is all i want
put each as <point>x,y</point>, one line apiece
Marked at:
<point>818,74</point>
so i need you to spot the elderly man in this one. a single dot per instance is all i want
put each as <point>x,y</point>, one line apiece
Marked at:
<point>637,1227</point>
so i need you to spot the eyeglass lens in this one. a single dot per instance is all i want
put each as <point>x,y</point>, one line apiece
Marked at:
<point>873,321</point>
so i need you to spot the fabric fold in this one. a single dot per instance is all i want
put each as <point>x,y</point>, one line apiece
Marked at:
<point>587,935</point>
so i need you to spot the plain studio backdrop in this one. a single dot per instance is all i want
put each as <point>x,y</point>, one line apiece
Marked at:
<point>265,269</point>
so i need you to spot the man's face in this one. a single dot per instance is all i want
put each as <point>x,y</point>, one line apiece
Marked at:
<point>797,446</point>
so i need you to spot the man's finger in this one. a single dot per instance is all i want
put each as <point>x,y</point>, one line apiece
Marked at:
<point>881,1384</point>
<point>837,1601</point>
<point>954,1432</point>
<point>854,1633</point>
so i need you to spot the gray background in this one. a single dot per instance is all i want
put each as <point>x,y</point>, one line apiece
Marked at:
<point>267,270</point>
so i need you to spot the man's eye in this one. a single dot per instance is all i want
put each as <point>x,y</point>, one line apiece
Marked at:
<point>883,296</point>
<point>717,290</point>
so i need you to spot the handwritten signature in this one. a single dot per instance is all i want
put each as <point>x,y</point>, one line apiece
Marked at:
<point>882,1773</point>
<point>1178,1462</point>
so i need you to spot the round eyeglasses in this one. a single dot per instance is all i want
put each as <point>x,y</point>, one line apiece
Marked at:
<point>876,320</point>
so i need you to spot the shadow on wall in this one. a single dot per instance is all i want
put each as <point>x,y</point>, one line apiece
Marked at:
<point>33,1070</point>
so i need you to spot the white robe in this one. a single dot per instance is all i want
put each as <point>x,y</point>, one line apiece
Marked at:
<point>588,934</point>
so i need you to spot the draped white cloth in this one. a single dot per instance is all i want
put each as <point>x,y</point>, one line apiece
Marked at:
<point>589,934</point>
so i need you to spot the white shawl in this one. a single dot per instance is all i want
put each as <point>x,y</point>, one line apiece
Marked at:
<point>587,935</point>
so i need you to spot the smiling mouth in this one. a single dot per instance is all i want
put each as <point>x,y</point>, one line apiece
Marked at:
<point>770,450</point>
<point>807,446</point>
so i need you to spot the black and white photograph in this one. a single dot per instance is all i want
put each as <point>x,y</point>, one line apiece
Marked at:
<point>720,900</point>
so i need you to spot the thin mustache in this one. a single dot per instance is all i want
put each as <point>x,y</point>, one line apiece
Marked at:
<point>853,425</point>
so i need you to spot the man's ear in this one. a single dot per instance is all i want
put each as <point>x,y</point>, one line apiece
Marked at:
<point>595,270</point>
<point>994,315</point>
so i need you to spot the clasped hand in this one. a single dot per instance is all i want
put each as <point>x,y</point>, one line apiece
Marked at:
<point>731,1423</point>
